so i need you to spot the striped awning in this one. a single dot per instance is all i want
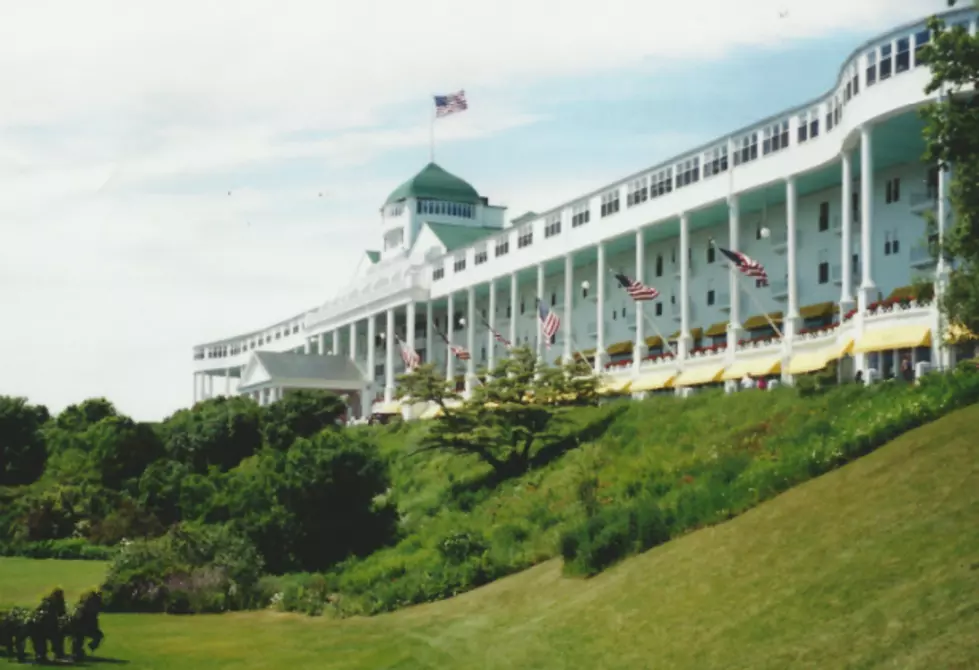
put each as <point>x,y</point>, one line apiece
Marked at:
<point>703,374</point>
<point>614,386</point>
<point>817,310</point>
<point>817,359</point>
<point>897,337</point>
<point>759,366</point>
<point>653,381</point>
<point>761,320</point>
<point>718,328</point>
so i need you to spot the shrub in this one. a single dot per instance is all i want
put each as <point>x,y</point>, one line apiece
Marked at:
<point>612,533</point>
<point>67,549</point>
<point>191,569</point>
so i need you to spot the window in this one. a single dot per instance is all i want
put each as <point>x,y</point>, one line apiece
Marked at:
<point>659,309</point>
<point>920,39</point>
<point>397,209</point>
<point>837,110</point>
<point>687,172</point>
<point>803,132</point>
<point>829,116</point>
<point>553,226</point>
<point>441,208</point>
<point>891,244</point>
<point>847,92</point>
<point>502,247</point>
<point>438,273</point>
<point>902,61</point>
<point>509,312</point>
<point>710,292</point>
<point>584,292</point>
<point>553,299</point>
<point>662,183</point>
<point>776,137</point>
<point>710,253</point>
<point>856,81</point>
<point>893,190</point>
<point>746,148</point>
<point>522,307</point>
<point>580,214</point>
<point>526,237</point>
<point>394,238</point>
<point>659,265</point>
<point>823,216</point>
<point>814,124</point>
<point>885,61</point>
<point>823,267</point>
<point>638,191</point>
<point>460,264</point>
<point>871,68</point>
<point>887,243</point>
<point>715,161</point>
<point>481,256</point>
<point>610,202</point>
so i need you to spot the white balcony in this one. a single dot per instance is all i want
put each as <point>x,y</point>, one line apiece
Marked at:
<point>780,240</point>
<point>780,288</point>
<point>921,256</point>
<point>854,224</point>
<point>722,300</point>
<point>924,201</point>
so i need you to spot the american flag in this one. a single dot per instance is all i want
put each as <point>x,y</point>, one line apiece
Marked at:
<point>498,337</point>
<point>550,322</point>
<point>450,103</point>
<point>409,356</point>
<point>636,289</point>
<point>459,352</point>
<point>747,266</point>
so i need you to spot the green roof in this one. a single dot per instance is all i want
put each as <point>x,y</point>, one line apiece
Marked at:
<point>374,256</point>
<point>524,218</point>
<point>434,183</point>
<point>455,237</point>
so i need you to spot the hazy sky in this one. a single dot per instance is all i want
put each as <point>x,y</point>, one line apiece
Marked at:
<point>124,125</point>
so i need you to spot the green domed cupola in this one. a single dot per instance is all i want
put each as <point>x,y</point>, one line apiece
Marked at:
<point>434,183</point>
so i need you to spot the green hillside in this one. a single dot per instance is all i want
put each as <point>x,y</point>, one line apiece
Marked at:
<point>873,565</point>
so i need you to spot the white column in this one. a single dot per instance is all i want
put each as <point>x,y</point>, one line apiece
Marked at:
<point>450,366</point>
<point>791,203</point>
<point>210,386</point>
<point>601,356</point>
<point>371,350</point>
<point>639,349</point>
<point>490,340</point>
<point>734,279</point>
<point>335,342</point>
<point>353,344</point>
<point>227,383</point>
<point>684,344</point>
<point>429,332</point>
<point>307,346</point>
<point>846,236</point>
<point>540,296</point>
<point>196,385</point>
<point>410,319</point>
<point>322,343</point>
<point>471,338</point>
<point>513,309</point>
<point>568,306</point>
<point>868,289</point>
<point>389,357</point>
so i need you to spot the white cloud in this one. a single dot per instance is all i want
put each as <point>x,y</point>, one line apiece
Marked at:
<point>122,121</point>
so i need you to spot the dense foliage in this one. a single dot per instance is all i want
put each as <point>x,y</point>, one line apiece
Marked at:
<point>47,626</point>
<point>952,137</point>
<point>283,477</point>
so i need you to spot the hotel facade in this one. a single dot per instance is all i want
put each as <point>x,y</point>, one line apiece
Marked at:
<point>831,197</point>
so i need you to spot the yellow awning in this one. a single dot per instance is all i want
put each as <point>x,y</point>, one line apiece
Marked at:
<point>620,348</point>
<point>389,408</point>
<point>614,386</point>
<point>900,337</point>
<point>818,310</point>
<point>760,320</point>
<point>675,336</point>
<point>817,359</point>
<point>761,366</point>
<point>695,334</point>
<point>704,374</point>
<point>654,341</point>
<point>956,334</point>
<point>431,412</point>
<point>652,381</point>
<point>718,328</point>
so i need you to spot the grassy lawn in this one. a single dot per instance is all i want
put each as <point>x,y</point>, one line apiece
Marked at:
<point>873,565</point>
<point>24,581</point>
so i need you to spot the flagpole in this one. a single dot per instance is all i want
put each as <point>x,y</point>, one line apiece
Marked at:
<point>758,305</point>
<point>666,342</point>
<point>431,137</point>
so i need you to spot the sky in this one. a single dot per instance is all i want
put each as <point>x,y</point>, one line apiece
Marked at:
<point>176,172</point>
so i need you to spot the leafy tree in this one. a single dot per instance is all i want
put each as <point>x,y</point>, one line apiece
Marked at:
<point>301,413</point>
<point>952,137</point>
<point>510,416</point>
<point>76,418</point>
<point>218,432</point>
<point>22,451</point>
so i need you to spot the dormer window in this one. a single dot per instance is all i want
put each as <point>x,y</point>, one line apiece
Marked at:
<point>459,210</point>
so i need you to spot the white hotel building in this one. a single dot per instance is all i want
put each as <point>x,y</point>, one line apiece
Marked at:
<point>829,196</point>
